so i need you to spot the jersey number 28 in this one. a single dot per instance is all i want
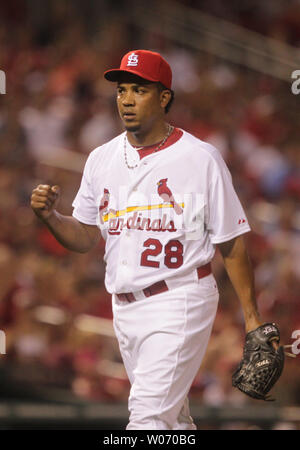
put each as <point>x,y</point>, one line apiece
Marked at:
<point>173,253</point>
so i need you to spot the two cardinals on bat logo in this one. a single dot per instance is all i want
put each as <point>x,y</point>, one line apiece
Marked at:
<point>163,191</point>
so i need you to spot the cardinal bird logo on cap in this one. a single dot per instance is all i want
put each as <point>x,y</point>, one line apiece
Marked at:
<point>166,194</point>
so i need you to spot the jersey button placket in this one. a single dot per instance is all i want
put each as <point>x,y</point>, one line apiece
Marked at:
<point>125,274</point>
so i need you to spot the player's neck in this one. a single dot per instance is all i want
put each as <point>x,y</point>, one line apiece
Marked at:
<point>143,138</point>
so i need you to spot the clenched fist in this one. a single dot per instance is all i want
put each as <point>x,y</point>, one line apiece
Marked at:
<point>44,200</point>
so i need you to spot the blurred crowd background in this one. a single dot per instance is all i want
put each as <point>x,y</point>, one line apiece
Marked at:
<point>53,305</point>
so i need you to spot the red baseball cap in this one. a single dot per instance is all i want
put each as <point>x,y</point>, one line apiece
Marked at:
<point>148,65</point>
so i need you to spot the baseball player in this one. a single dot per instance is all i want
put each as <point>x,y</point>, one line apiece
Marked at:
<point>162,200</point>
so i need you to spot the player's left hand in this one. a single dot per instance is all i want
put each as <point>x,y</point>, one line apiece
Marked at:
<point>262,362</point>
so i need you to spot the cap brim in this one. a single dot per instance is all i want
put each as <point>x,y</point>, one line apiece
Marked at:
<point>116,74</point>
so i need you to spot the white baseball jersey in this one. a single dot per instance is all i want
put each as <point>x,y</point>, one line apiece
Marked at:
<point>162,218</point>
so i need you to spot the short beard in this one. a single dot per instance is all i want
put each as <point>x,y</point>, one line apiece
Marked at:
<point>132,128</point>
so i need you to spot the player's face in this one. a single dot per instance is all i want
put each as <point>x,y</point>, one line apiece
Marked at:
<point>140,104</point>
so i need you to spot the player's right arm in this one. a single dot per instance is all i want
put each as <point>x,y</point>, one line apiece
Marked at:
<point>68,231</point>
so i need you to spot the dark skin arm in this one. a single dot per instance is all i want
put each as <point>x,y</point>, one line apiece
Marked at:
<point>69,232</point>
<point>72,234</point>
<point>240,272</point>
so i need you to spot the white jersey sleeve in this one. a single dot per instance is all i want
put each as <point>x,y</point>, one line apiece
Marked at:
<point>84,204</point>
<point>226,217</point>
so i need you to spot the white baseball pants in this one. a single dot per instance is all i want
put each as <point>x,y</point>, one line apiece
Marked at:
<point>162,340</point>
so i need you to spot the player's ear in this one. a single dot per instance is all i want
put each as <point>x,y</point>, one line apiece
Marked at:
<point>165,97</point>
